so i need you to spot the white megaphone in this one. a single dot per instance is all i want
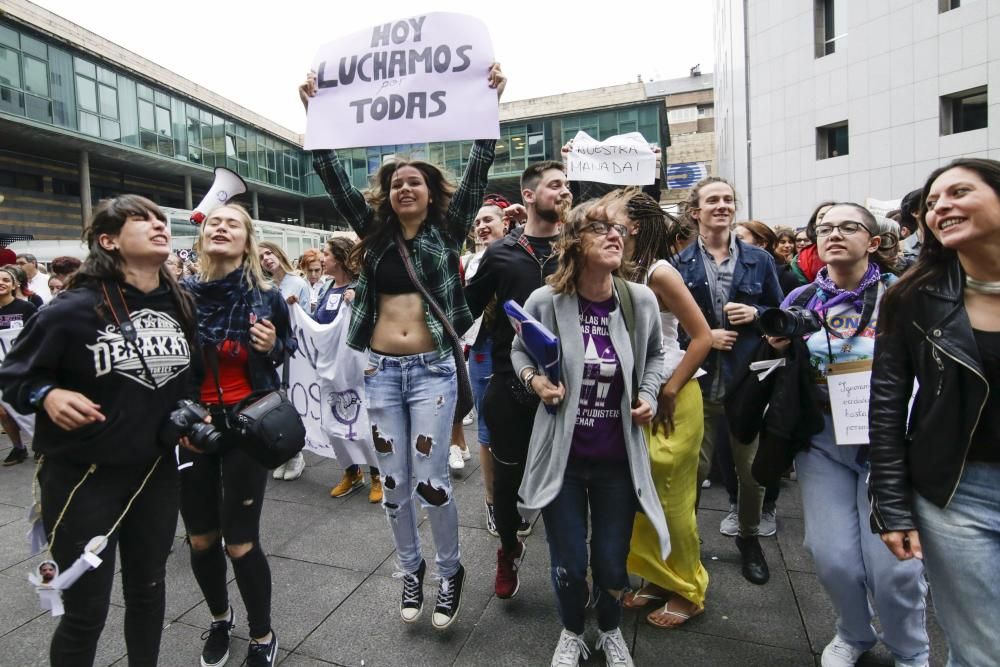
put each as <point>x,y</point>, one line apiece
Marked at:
<point>227,185</point>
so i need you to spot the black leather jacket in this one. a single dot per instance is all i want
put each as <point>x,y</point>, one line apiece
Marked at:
<point>935,345</point>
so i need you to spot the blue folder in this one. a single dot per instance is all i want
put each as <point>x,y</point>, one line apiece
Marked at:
<point>541,344</point>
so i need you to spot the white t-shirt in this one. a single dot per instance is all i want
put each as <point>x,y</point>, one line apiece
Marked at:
<point>292,285</point>
<point>40,286</point>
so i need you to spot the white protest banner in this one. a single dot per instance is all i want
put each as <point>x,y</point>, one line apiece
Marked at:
<point>25,422</point>
<point>849,385</point>
<point>418,79</point>
<point>624,159</point>
<point>881,207</point>
<point>326,385</point>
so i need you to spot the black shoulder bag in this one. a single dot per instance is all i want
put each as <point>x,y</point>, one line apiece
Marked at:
<point>465,400</point>
<point>271,427</point>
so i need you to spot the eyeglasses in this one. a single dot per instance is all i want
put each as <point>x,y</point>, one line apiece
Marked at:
<point>846,228</point>
<point>604,228</point>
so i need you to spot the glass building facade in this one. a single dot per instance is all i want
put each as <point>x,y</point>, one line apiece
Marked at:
<point>47,82</point>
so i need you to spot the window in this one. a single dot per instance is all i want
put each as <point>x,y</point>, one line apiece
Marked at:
<point>948,5</point>
<point>109,101</point>
<point>10,68</point>
<point>831,141</point>
<point>964,111</point>
<point>706,110</point>
<point>682,114</point>
<point>147,119</point>
<point>830,24</point>
<point>36,76</point>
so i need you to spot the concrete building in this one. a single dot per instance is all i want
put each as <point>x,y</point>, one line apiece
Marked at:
<point>82,119</point>
<point>850,99</point>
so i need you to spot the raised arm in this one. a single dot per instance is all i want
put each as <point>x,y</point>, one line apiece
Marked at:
<point>469,195</point>
<point>347,199</point>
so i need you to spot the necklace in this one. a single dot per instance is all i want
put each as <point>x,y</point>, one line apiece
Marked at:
<point>991,287</point>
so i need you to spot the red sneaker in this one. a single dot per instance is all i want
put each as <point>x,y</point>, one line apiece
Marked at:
<point>507,582</point>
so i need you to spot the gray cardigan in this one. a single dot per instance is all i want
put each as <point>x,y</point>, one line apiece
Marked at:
<point>552,435</point>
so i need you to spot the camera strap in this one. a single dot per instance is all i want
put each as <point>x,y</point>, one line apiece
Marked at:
<point>867,312</point>
<point>115,299</point>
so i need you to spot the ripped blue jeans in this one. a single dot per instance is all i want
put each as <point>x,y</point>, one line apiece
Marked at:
<point>605,489</point>
<point>411,405</point>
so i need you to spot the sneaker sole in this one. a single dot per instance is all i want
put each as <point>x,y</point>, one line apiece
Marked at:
<point>526,532</point>
<point>354,487</point>
<point>770,534</point>
<point>224,660</point>
<point>730,534</point>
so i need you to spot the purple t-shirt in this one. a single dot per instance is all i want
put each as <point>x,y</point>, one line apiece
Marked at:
<point>598,434</point>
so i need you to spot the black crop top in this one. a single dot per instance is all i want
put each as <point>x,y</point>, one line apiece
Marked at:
<point>391,276</point>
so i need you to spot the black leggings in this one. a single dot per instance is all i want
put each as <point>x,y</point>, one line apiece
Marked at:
<point>223,494</point>
<point>143,539</point>
<point>510,425</point>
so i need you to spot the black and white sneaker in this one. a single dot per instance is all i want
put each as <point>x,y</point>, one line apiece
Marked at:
<point>523,528</point>
<point>449,599</point>
<point>412,602</point>
<point>263,655</point>
<point>216,650</point>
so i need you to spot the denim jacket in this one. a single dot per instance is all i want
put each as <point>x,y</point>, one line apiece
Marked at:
<point>755,282</point>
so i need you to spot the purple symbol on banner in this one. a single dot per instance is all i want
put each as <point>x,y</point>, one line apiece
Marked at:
<point>346,409</point>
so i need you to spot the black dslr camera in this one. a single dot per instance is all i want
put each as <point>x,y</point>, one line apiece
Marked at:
<point>189,420</point>
<point>790,322</point>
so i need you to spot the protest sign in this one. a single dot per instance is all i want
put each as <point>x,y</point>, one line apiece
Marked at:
<point>25,422</point>
<point>881,207</point>
<point>326,385</point>
<point>624,159</point>
<point>418,79</point>
<point>849,385</point>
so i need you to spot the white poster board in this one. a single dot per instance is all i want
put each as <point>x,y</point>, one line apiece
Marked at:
<point>624,159</point>
<point>25,422</point>
<point>422,78</point>
<point>849,385</point>
<point>881,207</point>
<point>326,385</point>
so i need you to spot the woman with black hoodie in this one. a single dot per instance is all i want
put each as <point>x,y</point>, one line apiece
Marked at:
<point>100,398</point>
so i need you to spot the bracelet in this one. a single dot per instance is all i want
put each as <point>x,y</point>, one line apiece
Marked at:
<point>527,378</point>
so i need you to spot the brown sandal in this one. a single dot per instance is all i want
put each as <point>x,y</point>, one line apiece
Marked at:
<point>667,611</point>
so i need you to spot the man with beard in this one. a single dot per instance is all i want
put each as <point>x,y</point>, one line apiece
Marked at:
<point>513,268</point>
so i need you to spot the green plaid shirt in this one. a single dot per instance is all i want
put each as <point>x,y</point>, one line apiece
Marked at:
<point>435,250</point>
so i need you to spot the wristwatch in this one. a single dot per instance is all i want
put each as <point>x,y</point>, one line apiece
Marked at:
<point>527,378</point>
<point>36,397</point>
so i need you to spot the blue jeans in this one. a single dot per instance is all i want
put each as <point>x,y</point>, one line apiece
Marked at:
<point>961,551</point>
<point>852,564</point>
<point>608,490</point>
<point>480,370</point>
<point>411,403</point>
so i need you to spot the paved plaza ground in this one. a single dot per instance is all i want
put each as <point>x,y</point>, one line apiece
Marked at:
<point>336,603</point>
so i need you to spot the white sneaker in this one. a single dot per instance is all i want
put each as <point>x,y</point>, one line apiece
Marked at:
<point>707,484</point>
<point>468,419</point>
<point>838,653</point>
<point>768,521</point>
<point>730,525</point>
<point>906,663</point>
<point>455,459</point>
<point>467,454</point>
<point>570,649</point>
<point>279,472</point>
<point>615,649</point>
<point>294,468</point>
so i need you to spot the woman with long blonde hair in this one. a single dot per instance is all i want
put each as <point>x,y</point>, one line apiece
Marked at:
<point>244,332</point>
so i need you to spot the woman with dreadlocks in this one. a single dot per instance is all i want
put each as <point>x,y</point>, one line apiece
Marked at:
<point>675,435</point>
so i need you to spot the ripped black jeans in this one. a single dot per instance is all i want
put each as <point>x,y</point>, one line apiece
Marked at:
<point>605,490</point>
<point>223,495</point>
<point>143,539</point>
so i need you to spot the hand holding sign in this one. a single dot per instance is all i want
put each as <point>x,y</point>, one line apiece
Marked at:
<point>412,80</point>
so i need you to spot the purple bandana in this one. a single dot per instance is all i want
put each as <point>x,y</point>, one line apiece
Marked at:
<point>834,295</point>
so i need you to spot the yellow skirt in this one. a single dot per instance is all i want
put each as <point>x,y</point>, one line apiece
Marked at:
<point>674,461</point>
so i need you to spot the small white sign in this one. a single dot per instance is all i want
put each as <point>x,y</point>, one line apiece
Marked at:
<point>624,159</point>
<point>849,386</point>
<point>422,78</point>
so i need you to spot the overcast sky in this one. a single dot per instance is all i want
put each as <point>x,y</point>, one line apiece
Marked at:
<point>256,53</point>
